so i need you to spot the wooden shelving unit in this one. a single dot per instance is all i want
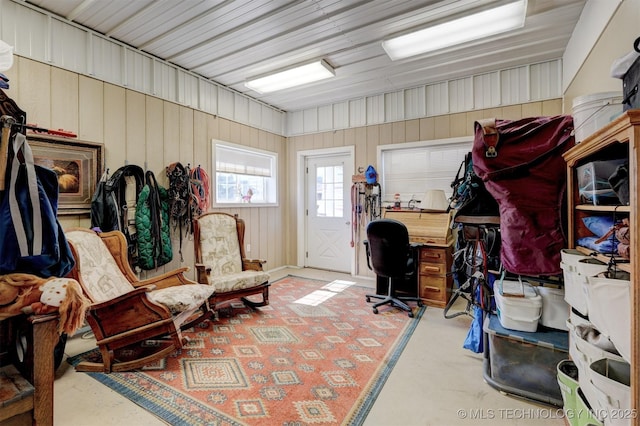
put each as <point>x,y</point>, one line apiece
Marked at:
<point>620,137</point>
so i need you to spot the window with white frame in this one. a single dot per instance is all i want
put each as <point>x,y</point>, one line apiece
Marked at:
<point>411,169</point>
<point>244,175</point>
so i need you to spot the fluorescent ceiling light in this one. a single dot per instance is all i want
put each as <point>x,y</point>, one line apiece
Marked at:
<point>303,74</point>
<point>478,25</point>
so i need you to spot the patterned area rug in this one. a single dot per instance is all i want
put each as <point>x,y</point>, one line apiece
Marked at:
<point>316,355</point>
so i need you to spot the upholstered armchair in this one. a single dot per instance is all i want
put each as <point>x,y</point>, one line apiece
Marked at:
<point>127,313</point>
<point>221,261</point>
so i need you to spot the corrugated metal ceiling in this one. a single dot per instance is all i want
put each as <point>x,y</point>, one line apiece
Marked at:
<point>230,41</point>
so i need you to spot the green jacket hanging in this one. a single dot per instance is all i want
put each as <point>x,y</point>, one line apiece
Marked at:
<point>152,222</point>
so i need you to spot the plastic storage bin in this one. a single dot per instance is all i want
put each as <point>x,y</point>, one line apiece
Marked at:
<point>523,363</point>
<point>593,182</point>
<point>612,380</point>
<point>519,313</point>
<point>555,311</point>
<point>610,309</point>
<point>568,383</point>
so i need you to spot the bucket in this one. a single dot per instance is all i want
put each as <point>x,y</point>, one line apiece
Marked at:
<point>612,381</point>
<point>610,309</point>
<point>568,382</point>
<point>519,313</point>
<point>555,311</point>
<point>592,112</point>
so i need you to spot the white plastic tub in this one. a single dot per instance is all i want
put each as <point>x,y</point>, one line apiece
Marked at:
<point>593,111</point>
<point>610,310</point>
<point>555,311</point>
<point>519,313</point>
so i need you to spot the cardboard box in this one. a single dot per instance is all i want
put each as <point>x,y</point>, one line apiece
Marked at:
<point>593,182</point>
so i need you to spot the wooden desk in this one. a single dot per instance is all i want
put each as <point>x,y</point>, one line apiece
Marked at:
<point>432,231</point>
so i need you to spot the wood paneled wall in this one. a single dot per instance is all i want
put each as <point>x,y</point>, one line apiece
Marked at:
<point>140,129</point>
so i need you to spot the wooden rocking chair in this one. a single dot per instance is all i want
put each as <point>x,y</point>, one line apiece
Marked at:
<point>135,322</point>
<point>221,261</point>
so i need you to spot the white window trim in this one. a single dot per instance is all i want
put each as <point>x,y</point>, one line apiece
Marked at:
<point>408,145</point>
<point>214,143</point>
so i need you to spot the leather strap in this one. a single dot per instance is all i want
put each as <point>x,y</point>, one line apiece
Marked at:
<point>490,136</point>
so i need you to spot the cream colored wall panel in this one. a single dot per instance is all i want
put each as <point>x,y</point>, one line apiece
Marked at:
<point>372,138</point>
<point>154,134</point>
<point>532,109</point>
<point>412,130</point>
<point>325,118</point>
<point>461,95</point>
<point>92,112</point>
<point>240,109</point>
<point>486,90</point>
<point>255,114</point>
<point>386,133</point>
<point>437,99</point>
<point>225,103</point>
<point>442,124</point>
<point>512,112</point>
<point>398,132</point>
<point>515,85</point>
<point>357,112</point>
<point>35,92</point>
<point>164,81</point>
<point>310,120</point>
<point>552,107</point>
<point>341,115</point>
<point>459,125</point>
<point>64,100</point>
<point>224,129</point>
<point>135,128</point>
<point>171,129</point>
<point>545,80</point>
<point>393,106</point>
<point>106,60</point>
<point>235,133</point>
<point>69,47</point>
<point>415,103</point>
<point>201,142</point>
<point>138,71</point>
<point>427,128</point>
<point>375,109</point>
<point>115,119</point>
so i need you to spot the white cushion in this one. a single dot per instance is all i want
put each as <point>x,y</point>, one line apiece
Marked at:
<point>238,281</point>
<point>181,298</point>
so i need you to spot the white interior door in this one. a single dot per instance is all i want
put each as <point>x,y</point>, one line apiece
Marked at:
<point>328,212</point>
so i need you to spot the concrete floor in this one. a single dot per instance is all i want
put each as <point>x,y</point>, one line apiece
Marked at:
<point>435,382</point>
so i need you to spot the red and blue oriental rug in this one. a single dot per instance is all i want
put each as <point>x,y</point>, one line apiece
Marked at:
<point>316,355</point>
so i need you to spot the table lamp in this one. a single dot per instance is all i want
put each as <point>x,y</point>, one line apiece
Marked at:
<point>434,200</point>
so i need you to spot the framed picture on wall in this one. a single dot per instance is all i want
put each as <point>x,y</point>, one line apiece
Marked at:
<point>78,165</point>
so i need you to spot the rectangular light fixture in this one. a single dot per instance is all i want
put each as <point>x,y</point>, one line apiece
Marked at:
<point>488,22</point>
<point>292,77</point>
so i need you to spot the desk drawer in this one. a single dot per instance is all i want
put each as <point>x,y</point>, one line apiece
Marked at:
<point>433,287</point>
<point>434,255</point>
<point>427,268</point>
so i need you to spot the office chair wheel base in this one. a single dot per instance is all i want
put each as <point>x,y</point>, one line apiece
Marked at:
<point>375,310</point>
<point>410,314</point>
<point>368,299</point>
<point>420,304</point>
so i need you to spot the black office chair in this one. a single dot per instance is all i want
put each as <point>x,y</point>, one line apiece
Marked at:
<point>390,255</point>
